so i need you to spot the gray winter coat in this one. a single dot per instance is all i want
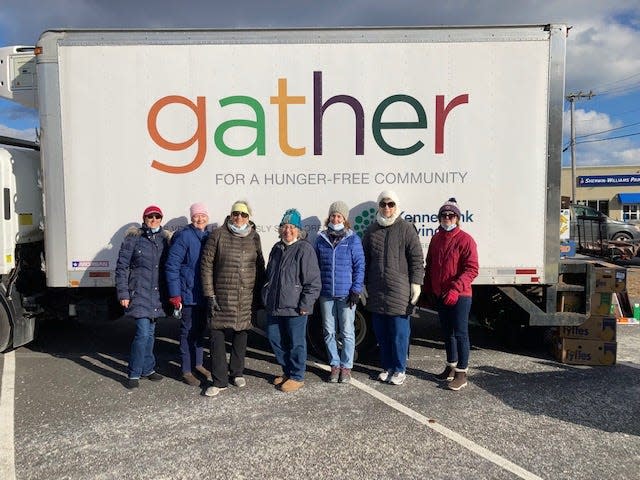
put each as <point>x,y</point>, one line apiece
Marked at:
<point>293,279</point>
<point>393,261</point>
<point>232,269</point>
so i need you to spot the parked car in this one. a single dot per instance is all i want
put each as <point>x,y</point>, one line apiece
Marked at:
<point>590,225</point>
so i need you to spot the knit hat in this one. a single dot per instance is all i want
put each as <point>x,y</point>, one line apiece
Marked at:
<point>339,207</point>
<point>390,195</point>
<point>291,217</point>
<point>198,208</point>
<point>152,209</point>
<point>241,206</point>
<point>450,205</point>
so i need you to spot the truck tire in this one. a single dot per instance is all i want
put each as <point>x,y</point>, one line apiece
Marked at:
<point>365,339</point>
<point>5,329</point>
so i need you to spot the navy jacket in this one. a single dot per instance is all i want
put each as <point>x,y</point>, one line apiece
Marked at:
<point>139,272</point>
<point>293,279</point>
<point>342,266</point>
<point>183,265</point>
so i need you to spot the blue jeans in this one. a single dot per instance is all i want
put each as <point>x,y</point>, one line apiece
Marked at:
<point>392,333</point>
<point>191,341</point>
<point>141,361</point>
<point>336,315</point>
<point>454,321</point>
<point>287,336</point>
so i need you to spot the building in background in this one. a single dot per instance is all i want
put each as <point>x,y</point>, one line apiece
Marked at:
<point>614,190</point>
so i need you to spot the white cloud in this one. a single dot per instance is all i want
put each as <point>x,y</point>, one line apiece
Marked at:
<point>28,134</point>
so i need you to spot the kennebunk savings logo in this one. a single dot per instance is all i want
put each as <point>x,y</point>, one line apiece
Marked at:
<point>282,101</point>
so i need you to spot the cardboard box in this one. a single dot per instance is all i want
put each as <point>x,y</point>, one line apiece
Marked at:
<point>576,351</point>
<point>611,279</point>
<point>595,328</point>
<point>573,302</point>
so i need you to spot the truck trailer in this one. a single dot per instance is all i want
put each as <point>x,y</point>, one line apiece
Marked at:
<point>285,118</point>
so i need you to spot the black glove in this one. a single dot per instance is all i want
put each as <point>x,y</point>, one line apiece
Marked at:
<point>212,305</point>
<point>353,299</point>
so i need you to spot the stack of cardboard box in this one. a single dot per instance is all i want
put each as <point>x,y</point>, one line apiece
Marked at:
<point>593,342</point>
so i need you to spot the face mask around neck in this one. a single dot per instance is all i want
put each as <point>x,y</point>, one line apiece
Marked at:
<point>448,228</point>
<point>336,227</point>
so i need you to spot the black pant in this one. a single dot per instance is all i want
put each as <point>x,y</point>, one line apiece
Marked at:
<point>219,370</point>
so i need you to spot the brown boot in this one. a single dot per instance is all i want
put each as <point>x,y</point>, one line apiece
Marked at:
<point>291,386</point>
<point>190,379</point>
<point>459,381</point>
<point>280,380</point>
<point>204,372</point>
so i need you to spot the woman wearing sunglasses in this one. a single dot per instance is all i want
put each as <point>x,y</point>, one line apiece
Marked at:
<point>140,288</point>
<point>451,266</point>
<point>393,275</point>
<point>232,270</point>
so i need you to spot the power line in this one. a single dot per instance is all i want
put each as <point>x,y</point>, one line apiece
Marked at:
<point>618,81</point>
<point>608,138</point>
<point>605,131</point>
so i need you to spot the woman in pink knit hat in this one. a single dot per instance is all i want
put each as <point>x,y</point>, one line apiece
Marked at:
<point>185,292</point>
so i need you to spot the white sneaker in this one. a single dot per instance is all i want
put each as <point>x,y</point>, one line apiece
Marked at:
<point>398,378</point>
<point>239,382</point>
<point>385,375</point>
<point>213,391</point>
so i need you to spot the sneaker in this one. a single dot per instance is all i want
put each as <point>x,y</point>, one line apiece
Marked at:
<point>447,375</point>
<point>204,372</point>
<point>385,376</point>
<point>334,375</point>
<point>291,386</point>
<point>154,377</point>
<point>280,380</point>
<point>213,391</point>
<point>345,375</point>
<point>132,383</point>
<point>459,381</point>
<point>190,379</point>
<point>239,382</point>
<point>398,378</point>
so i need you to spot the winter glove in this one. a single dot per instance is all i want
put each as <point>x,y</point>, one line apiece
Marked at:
<point>364,295</point>
<point>353,299</point>
<point>176,301</point>
<point>212,306</point>
<point>451,298</point>
<point>415,293</point>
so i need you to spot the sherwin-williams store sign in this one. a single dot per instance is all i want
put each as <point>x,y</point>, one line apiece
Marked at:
<point>608,180</point>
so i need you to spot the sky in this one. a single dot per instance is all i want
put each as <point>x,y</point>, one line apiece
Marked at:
<point>602,48</point>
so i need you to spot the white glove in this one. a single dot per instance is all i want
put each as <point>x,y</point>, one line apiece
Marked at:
<point>415,293</point>
<point>364,295</point>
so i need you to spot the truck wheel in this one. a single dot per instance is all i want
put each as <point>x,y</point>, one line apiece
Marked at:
<point>5,329</point>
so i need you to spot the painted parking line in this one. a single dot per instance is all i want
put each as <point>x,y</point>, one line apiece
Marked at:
<point>7,447</point>
<point>441,429</point>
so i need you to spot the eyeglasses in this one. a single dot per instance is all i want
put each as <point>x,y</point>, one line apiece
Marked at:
<point>387,204</point>
<point>155,216</point>
<point>240,214</point>
<point>448,215</point>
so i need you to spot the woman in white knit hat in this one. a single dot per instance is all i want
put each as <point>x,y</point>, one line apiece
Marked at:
<point>393,277</point>
<point>341,261</point>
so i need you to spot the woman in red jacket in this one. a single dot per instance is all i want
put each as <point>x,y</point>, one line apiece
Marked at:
<point>451,266</point>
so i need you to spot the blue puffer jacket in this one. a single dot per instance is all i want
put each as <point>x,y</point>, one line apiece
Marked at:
<point>293,279</point>
<point>342,266</point>
<point>139,272</point>
<point>183,265</point>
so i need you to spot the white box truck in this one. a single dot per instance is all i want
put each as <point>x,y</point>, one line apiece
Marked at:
<point>284,118</point>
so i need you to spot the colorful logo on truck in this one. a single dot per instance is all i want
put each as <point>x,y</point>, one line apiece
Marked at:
<point>283,101</point>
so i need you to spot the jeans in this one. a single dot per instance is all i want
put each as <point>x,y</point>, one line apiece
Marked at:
<point>219,369</point>
<point>191,341</point>
<point>287,336</point>
<point>336,315</point>
<point>141,360</point>
<point>454,321</point>
<point>392,333</point>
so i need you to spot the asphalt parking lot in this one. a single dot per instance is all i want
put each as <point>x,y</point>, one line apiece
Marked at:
<point>522,416</point>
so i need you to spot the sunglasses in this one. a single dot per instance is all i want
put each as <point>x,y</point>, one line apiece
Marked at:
<point>155,216</point>
<point>448,215</point>
<point>240,214</point>
<point>387,204</point>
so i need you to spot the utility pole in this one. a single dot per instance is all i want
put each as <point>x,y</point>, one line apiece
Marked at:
<point>572,97</point>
